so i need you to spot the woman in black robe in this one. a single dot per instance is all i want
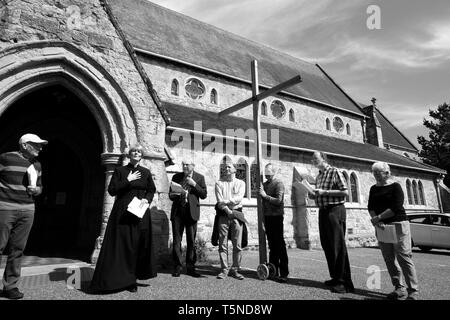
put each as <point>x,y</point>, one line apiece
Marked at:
<point>127,252</point>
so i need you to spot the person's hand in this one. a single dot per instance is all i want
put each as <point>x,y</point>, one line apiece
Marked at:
<point>134,176</point>
<point>261,192</point>
<point>380,225</point>
<point>375,220</point>
<point>144,201</point>
<point>320,192</point>
<point>33,191</point>
<point>190,181</point>
<point>229,212</point>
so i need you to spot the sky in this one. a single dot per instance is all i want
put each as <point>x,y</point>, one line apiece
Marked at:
<point>402,59</point>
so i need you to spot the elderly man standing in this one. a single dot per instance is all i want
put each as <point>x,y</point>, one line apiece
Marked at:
<point>272,194</point>
<point>185,213</point>
<point>20,183</point>
<point>330,192</point>
<point>229,194</point>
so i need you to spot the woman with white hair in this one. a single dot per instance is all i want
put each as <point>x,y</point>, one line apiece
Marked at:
<point>127,252</point>
<point>386,208</point>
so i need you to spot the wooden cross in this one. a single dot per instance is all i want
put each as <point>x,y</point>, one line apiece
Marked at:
<point>255,99</point>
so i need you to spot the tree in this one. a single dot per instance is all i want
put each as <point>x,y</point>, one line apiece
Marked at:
<point>436,150</point>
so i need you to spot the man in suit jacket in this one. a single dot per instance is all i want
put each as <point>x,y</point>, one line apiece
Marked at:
<point>184,215</point>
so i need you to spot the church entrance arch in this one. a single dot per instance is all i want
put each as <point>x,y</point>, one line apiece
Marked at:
<point>69,211</point>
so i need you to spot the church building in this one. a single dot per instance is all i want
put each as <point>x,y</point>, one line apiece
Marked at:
<point>97,76</point>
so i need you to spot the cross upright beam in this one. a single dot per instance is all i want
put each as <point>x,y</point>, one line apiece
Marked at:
<point>255,99</point>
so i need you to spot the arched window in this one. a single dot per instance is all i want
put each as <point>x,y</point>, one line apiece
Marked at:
<point>421,194</point>
<point>354,188</point>
<point>348,129</point>
<point>241,172</point>
<point>253,176</point>
<point>278,109</point>
<point>291,115</point>
<point>213,96</point>
<point>408,191</point>
<point>222,166</point>
<point>195,89</point>
<point>264,108</point>
<point>175,87</point>
<point>414,188</point>
<point>347,197</point>
<point>328,124</point>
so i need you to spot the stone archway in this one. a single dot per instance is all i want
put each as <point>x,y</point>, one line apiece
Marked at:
<point>92,131</point>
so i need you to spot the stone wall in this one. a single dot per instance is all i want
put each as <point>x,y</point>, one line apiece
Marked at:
<point>309,116</point>
<point>63,39</point>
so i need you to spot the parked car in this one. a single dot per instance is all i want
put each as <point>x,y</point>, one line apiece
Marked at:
<point>430,230</point>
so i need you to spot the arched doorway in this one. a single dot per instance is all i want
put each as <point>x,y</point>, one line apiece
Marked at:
<point>69,212</point>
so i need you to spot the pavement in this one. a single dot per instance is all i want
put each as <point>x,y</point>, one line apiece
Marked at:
<point>308,270</point>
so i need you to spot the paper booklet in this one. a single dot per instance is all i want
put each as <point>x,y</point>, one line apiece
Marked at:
<point>176,188</point>
<point>388,234</point>
<point>135,207</point>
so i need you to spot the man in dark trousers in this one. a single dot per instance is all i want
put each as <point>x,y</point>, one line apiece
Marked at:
<point>330,192</point>
<point>185,213</point>
<point>272,194</point>
<point>20,183</point>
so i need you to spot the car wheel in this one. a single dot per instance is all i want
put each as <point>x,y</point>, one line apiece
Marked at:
<point>425,249</point>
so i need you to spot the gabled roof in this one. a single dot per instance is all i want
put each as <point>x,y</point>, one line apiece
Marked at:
<point>175,36</point>
<point>391,135</point>
<point>184,117</point>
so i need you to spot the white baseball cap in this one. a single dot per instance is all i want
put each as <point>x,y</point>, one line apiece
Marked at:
<point>29,137</point>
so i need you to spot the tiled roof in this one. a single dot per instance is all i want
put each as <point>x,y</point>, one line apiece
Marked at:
<point>184,117</point>
<point>391,134</point>
<point>170,34</point>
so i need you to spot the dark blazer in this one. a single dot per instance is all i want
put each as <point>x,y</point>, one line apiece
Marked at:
<point>199,191</point>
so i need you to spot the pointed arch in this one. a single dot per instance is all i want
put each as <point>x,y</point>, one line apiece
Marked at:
<point>213,96</point>
<point>328,124</point>
<point>421,194</point>
<point>291,115</point>
<point>348,129</point>
<point>415,193</point>
<point>354,188</point>
<point>408,191</point>
<point>264,108</point>
<point>175,88</point>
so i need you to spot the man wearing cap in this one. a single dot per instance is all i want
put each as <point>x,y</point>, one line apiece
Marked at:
<point>185,213</point>
<point>20,183</point>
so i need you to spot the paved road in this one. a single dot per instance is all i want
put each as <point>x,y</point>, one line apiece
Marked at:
<point>308,270</point>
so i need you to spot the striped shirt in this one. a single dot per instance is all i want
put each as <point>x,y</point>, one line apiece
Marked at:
<point>330,179</point>
<point>14,181</point>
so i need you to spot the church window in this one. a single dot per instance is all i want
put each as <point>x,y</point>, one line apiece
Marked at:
<point>347,197</point>
<point>406,155</point>
<point>408,191</point>
<point>253,176</point>
<point>414,189</point>
<point>348,129</point>
<point>421,194</point>
<point>278,109</point>
<point>291,115</point>
<point>338,124</point>
<point>195,89</point>
<point>353,188</point>
<point>213,96</point>
<point>264,108</point>
<point>241,172</point>
<point>175,87</point>
<point>328,124</point>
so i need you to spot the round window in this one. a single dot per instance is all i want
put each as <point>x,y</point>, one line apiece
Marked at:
<point>195,89</point>
<point>278,109</point>
<point>338,124</point>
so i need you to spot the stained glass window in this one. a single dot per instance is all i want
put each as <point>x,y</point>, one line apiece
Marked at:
<point>414,189</point>
<point>195,89</point>
<point>213,96</point>
<point>338,124</point>
<point>291,115</point>
<point>264,108</point>
<point>348,129</point>
<point>278,109</point>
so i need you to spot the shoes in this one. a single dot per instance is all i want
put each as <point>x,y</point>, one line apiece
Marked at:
<point>132,288</point>
<point>413,296</point>
<point>281,279</point>
<point>176,272</point>
<point>331,283</point>
<point>397,294</point>
<point>221,275</point>
<point>193,273</point>
<point>13,293</point>
<point>339,288</point>
<point>236,275</point>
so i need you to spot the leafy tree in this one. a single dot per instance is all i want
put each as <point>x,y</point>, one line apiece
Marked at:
<point>436,149</point>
